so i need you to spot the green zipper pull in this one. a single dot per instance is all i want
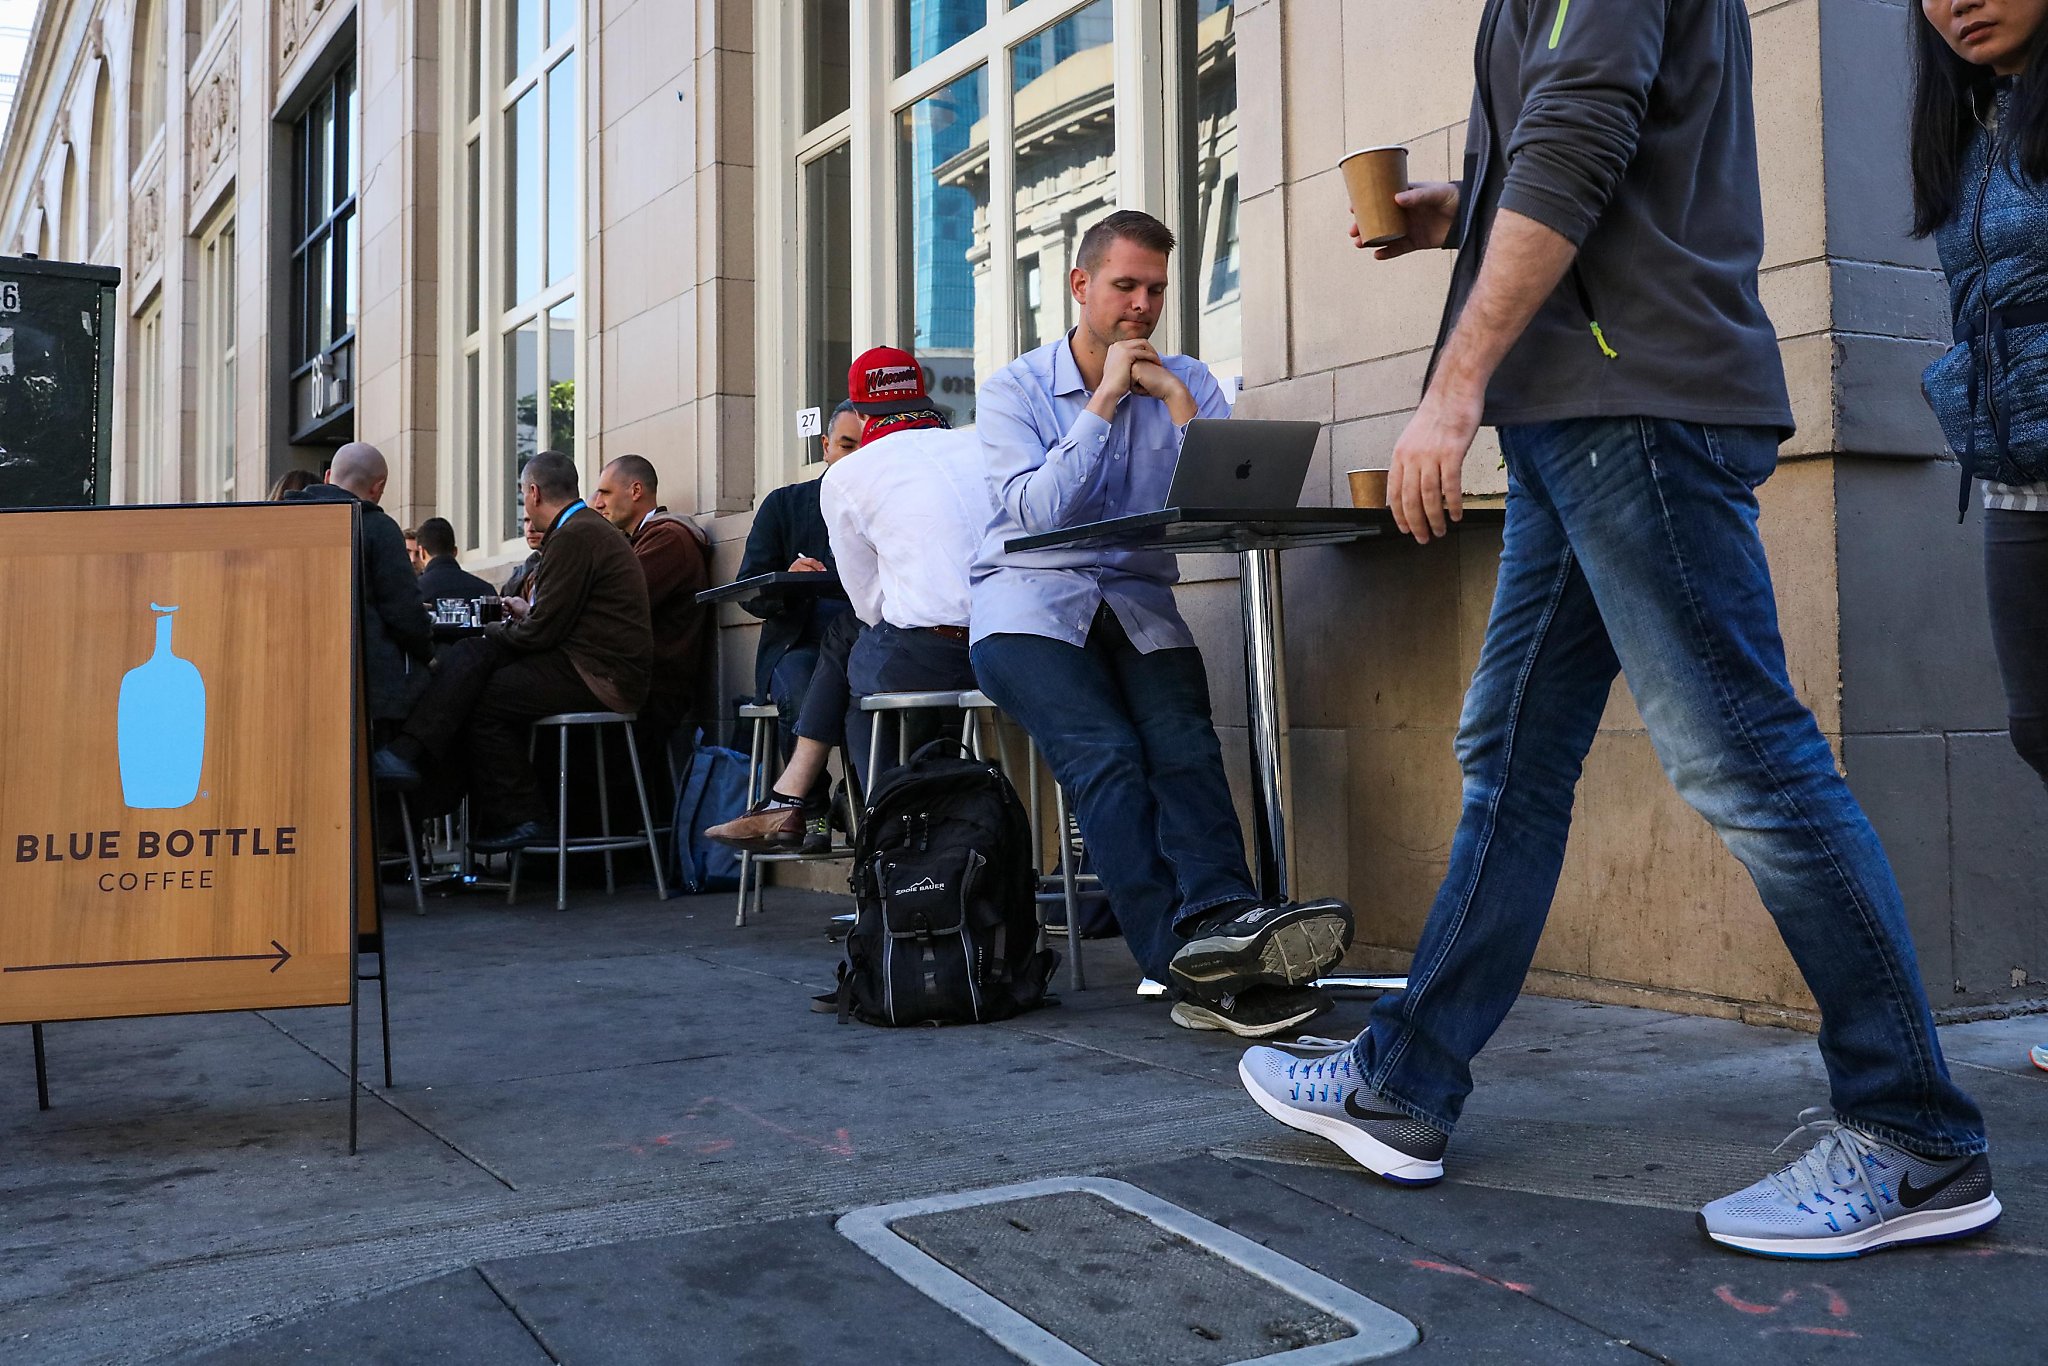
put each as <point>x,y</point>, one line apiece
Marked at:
<point>1557,28</point>
<point>1605,349</point>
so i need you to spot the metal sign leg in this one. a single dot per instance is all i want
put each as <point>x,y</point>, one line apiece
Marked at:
<point>42,1069</point>
<point>1265,664</point>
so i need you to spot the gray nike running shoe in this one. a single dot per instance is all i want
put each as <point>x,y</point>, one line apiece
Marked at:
<point>1326,1096</point>
<point>1851,1194</point>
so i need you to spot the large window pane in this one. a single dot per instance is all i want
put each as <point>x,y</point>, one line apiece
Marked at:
<point>473,40</point>
<point>563,183</point>
<point>345,267</point>
<point>522,35</point>
<point>561,377</point>
<point>1063,97</point>
<point>943,198</point>
<point>472,247</point>
<point>925,28</point>
<point>522,391</point>
<point>827,279</point>
<point>1210,224</point>
<point>345,137</point>
<point>522,190</point>
<point>827,60</point>
<point>472,449</point>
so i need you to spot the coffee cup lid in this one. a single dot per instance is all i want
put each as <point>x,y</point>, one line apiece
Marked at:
<point>1389,147</point>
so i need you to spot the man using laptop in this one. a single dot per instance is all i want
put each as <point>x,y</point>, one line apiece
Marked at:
<point>1086,650</point>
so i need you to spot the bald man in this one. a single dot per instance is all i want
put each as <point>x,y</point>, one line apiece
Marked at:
<point>672,555</point>
<point>398,636</point>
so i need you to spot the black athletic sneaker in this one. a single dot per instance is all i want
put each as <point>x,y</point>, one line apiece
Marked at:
<point>1285,945</point>
<point>1254,1013</point>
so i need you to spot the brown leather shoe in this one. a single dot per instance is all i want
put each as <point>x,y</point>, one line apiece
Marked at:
<point>765,829</point>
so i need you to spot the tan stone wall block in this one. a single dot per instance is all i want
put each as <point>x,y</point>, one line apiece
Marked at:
<point>1264,273</point>
<point>1312,45</point>
<point>1787,95</point>
<point>1404,801</point>
<point>1810,380</point>
<point>1798,529</point>
<point>1799,298</point>
<point>1650,895</point>
<point>1407,71</point>
<point>1347,307</point>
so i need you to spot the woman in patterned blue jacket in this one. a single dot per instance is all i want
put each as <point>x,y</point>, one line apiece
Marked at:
<point>1980,189</point>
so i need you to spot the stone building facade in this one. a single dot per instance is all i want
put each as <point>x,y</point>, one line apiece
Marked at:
<point>473,230</point>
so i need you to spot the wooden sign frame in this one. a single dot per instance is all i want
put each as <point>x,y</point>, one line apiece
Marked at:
<point>212,793</point>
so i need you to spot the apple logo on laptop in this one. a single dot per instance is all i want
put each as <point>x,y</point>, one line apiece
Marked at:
<point>1244,471</point>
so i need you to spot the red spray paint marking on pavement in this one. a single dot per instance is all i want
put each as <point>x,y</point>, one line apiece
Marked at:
<point>1726,1294</point>
<point>840,1144</point>
<point>1421,1265</point>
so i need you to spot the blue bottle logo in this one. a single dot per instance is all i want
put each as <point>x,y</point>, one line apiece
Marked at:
<point>161,728</point>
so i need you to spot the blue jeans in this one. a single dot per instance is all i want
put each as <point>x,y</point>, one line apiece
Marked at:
<point>1631,546</point>
<point>1128,736</point>
<point>889,658</point>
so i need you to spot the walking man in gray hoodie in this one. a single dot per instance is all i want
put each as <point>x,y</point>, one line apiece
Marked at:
<point>1603,315</point>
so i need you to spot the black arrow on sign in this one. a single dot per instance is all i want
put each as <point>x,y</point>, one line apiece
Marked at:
<point>281,957</point>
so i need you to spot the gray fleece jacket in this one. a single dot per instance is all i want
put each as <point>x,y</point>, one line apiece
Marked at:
<point>1627,126</point>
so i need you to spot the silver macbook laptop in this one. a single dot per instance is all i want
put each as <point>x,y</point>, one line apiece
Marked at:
<point>1242,463</point>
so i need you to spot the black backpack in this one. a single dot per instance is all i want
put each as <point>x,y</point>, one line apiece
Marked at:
<point>945,924</point>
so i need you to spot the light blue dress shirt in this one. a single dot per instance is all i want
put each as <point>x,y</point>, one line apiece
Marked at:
<point>1053,464</point>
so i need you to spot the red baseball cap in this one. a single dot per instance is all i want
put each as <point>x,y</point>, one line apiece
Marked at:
<point>885,380</point>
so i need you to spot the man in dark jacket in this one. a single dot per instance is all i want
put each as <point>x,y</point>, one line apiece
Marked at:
<point>583,645</point>
<point>1604,317</point>
<point>789,535</point>
<point>672,557</point>
<point>443,575</point>
<point>398,638</point>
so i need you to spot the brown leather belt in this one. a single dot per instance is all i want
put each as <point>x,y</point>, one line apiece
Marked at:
<point>958,633</point>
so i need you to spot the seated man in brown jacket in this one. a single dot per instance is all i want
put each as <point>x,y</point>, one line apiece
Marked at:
<point>585,644</point>
<point>672,555</point>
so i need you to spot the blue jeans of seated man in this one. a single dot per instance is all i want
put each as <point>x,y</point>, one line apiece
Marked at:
<point>1128,736</point>
<point>1632,547</point>
<point>887,658</point>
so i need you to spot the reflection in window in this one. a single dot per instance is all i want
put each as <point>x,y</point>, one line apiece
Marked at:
<point>522,390</point>
<point>828,53</point>
<point>943,195</point>
<point>216,365</point>
<point>146,110</point>
<point>150,486</point>
<point>827,280</point>
<point>323,264</point>
<point>522,177</point>
<point>925,28</point>
<point>1210,211</point>
<point>1064,108</point>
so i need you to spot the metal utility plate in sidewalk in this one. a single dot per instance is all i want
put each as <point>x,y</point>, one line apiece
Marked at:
<point>1083,1271</point>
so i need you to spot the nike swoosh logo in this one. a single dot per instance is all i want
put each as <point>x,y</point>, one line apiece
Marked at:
<point>1912,1197</point>
<point>1357,1111</point>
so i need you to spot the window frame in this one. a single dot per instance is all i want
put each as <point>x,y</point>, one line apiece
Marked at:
<point>334,354</point>
<point>218,357</point>
<point>1149,37</point>
<point>474,483</point>
<point>151,395</point>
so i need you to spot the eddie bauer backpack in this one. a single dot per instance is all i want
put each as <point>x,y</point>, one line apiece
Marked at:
<point>945,924</point>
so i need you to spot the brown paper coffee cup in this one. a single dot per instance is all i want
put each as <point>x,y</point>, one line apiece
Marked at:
<point>1373,176</point>
<point>1368,488</point>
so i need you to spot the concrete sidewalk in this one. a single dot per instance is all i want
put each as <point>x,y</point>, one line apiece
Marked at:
<point>620,1136</point>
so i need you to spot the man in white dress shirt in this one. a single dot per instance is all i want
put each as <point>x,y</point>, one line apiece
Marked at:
<point>906,512</point>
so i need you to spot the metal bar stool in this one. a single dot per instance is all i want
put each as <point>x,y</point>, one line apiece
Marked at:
<point>1068,886</point>
<point>898,704</point>
<point>752,866</point>
<point>603,842</point>
<point>412,854</point>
